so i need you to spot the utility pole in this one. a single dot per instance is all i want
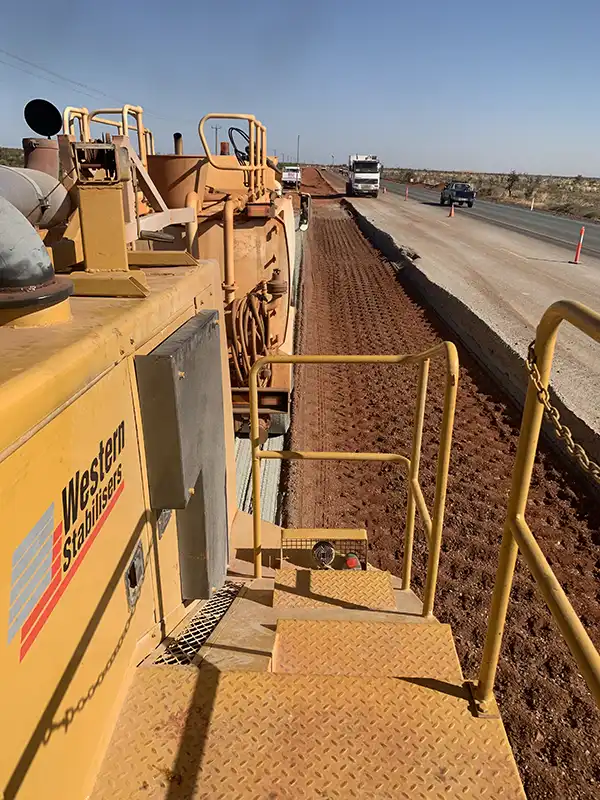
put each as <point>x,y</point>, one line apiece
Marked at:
<point>216,129</point>
<point>298,151</point>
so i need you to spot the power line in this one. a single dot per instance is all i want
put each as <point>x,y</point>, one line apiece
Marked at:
<point>35,75</point>
<point>83,88</point>
<point>54,74</point>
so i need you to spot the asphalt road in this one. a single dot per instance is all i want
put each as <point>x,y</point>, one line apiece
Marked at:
<point>561,231</point>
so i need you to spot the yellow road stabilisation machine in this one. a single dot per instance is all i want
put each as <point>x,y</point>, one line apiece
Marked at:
<point>159,643</point>
<point>156,209</point>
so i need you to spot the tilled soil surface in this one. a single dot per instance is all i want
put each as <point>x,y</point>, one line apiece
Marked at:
<point>354,302</point>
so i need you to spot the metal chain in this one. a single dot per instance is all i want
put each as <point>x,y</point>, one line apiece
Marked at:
<point>561,431</point>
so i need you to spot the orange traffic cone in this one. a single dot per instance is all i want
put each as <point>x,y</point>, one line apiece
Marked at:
<point>451,214</point>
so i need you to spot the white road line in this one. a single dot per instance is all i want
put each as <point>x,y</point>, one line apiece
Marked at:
<point>512,253</point>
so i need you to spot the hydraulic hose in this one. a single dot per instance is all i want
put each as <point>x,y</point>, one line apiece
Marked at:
<point>250,318</point>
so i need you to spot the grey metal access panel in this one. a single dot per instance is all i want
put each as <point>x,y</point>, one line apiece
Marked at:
<point>181,398</point>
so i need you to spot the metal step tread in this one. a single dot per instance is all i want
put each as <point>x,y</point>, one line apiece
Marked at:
<point>367,649</point>
<point>186,733</point>
<point>342,588</point>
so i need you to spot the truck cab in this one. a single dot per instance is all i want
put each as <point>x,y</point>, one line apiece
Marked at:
<point>291,177</point>
<point>364,176</point>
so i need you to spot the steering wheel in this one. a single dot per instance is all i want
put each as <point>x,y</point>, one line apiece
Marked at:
<point>243,156</point>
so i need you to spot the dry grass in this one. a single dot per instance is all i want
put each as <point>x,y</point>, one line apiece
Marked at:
<point>11,156</point>
<point>571,196</point>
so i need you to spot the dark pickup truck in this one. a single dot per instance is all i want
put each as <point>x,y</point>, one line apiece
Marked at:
<point>457,194</point>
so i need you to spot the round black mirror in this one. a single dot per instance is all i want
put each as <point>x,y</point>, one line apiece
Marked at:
<point>43,117</point>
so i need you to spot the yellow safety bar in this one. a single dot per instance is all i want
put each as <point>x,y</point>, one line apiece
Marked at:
<point>82,115</point>
<point>85,118</point>
<point>432,523</point>
<point>517,534</point>
<point>257,156</point>
<point>150,142</point>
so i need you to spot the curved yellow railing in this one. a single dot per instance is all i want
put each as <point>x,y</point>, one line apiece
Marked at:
<point>85,118</point>
<point>517,534</point>
<point>257,156</point>
<point>433,523</point>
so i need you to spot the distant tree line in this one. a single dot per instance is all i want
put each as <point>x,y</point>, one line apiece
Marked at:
<point>11,156</point>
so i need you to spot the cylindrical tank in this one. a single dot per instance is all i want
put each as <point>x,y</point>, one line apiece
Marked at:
<point>175,176</point>
<point>38,196</point>
<point>41,154</point>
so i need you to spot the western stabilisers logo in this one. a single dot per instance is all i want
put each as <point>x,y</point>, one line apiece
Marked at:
<point>44,563</point>
<point>89,493</point>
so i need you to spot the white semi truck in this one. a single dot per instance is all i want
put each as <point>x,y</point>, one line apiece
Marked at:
<point>291,178</point>
<point>364,174</point>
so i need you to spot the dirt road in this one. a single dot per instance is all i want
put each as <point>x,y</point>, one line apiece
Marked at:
<point>353,302</point>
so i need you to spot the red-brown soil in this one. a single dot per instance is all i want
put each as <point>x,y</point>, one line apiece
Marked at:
<point>353,302</point>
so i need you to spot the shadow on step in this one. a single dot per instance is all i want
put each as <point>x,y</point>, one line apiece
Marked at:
<point>182,778</point>
<point>303,589</point>
<point>460,691</point>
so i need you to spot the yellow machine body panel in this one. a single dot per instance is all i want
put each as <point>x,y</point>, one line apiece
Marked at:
<point>89,587</point>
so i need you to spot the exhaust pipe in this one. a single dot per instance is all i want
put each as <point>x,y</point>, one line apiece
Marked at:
<point>27,279</point>
<point>178,144</point>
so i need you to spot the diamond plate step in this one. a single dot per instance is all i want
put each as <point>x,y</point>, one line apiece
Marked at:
<point>366,649</point>
<point>333,588</point>
<point>189,733</point>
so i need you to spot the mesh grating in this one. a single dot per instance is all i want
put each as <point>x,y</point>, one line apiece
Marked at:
<point>341,547</point>
<point>185,646</point>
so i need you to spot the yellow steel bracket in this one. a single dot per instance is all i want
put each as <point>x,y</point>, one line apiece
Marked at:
<point>517,534</point>
<point>107,272</point>
<point>104,178</point>
<point>433,523</point>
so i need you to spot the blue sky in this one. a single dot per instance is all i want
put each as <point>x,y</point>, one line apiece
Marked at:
<point>456,84</point>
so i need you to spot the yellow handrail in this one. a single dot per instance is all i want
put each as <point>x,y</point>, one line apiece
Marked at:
<point>257,155</point>
<point>85,118</point>
<point>123,125</point>
<point>517,534</point>
<point>150,142</point>
<point>433,523</point>
<point>82,115</point>
<point>423,510</point>
<point>414,490</point>
<point>319,455</point>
